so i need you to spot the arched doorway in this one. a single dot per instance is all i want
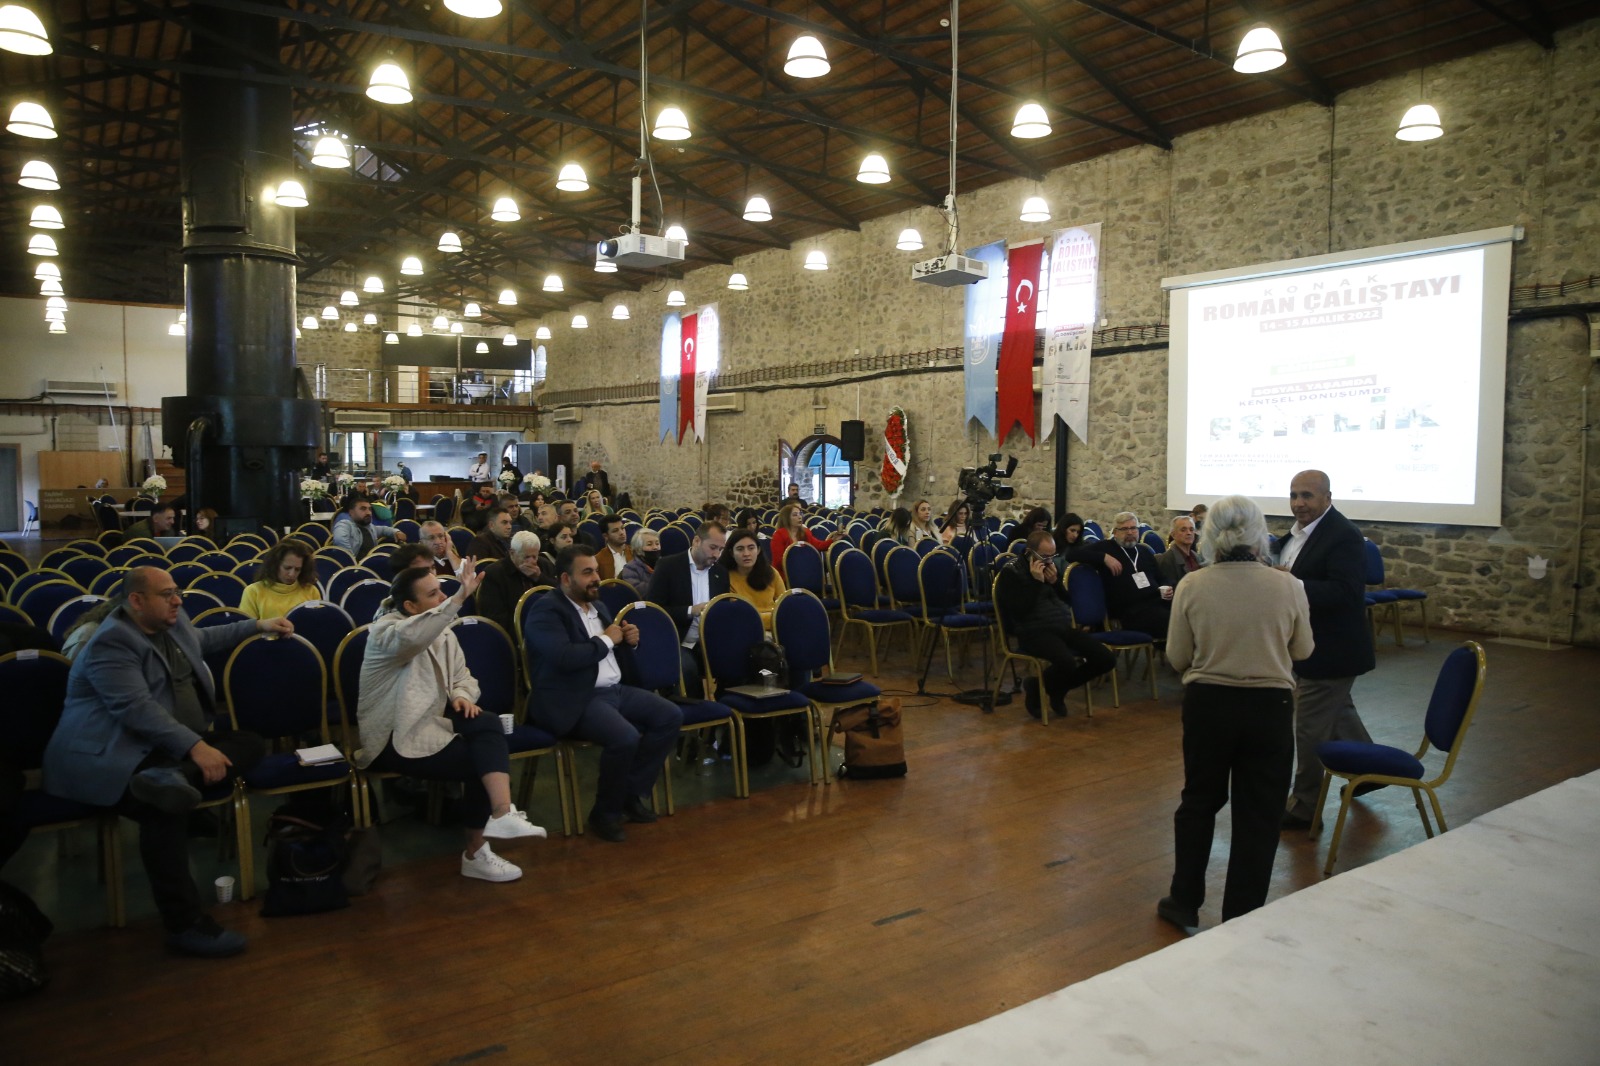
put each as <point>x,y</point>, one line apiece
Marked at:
<point>825,478</point>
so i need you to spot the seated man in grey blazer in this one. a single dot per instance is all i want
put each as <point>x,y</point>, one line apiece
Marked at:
<point>135,735</point>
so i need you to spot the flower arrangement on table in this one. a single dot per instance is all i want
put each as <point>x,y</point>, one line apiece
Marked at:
<point>154,485</point>
<point>395,483</point>
<point>536,482</point>
<point>312,488</point>
<point>508,478</point>
<point>896,453</point>
<point>345,481</point>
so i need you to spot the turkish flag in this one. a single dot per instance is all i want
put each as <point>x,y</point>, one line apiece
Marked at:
<point>686,360</point>
<point>1015,384</point>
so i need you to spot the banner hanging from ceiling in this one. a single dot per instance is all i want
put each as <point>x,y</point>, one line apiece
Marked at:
<point>1015,385</point>
<point>985,316</point>
<point>1070,317</point>
<point>671,347</point>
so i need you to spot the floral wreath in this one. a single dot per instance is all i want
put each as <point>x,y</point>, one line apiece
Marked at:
<point>896,452</point>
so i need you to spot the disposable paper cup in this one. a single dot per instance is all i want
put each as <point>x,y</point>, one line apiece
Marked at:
<point>224,889</point>
<point>1166,590</point>
<point>508,722</point>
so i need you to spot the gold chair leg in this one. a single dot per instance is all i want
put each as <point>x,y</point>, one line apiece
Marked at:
<point>1399,634</point>
<point>1338,831</point>
<point>1322,798</point>
<point>1438,812</point>
<point>666,785</point>
<point>1150,660</point>
<point>872,648</point>
<point>819,774</point>
<point>247,864</point>
<point>1422,812</point>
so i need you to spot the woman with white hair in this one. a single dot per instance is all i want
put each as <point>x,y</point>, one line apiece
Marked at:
<point>1237,627</point>
<point>506,581</point>
<point>646,550</point>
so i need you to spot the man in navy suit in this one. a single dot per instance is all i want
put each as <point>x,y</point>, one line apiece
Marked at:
<point>1324,551</point>
<point>577,659</point>
<point>135,735</point>
<point>684,583</point>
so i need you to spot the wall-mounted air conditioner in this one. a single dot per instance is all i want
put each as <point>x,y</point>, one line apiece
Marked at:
<point>362,419</point>
<point>567,415</point>
<point>98,389</point>
<point>724,403</point>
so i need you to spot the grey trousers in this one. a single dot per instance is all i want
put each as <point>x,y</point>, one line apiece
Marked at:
<point>1323,711</point>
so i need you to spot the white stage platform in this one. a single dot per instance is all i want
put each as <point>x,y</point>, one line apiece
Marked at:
<point>1481,945</point>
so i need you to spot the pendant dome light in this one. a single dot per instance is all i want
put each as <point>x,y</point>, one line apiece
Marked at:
<point>619,313</point>
<point>46,270</point>
<point>572,179</point>
<point>909,241</point>
<point>51,287</point>
<point>675,298</point>
<point>391,338</point>
<point>411,266</point>
<point>816,259</point>
<point>505,210</point>
<point>56,303</point>
<point>542,333</point>
<point>676,232</point>
<point>671,125</point>
<point>509,340</point>
<point>349,327</point>
<point>31,120</point>
<point>372,284</point>
<point>1420,123</point>
<point>347,298</point>
<point>42,244</point>
<point>414,330</point>
<point>46,217</point>
<point>580,322</point>
<point>474,9</point>
<point>756,209</point>
<point>738,282</point>
<point>330,152</point>
<point>1259,51</point>
<point>58,327</point>
<point>874,170</point>
<point>369,319</point>
<point>1034,209</point>
<point>440,323</point>
<point>311,323</point>
<point>482,348</point>
<point>37,174</point>
<point>449,242</point>
<point>389,85</point>
<point>602,265</point>
<point>457,327</point>
<point>1031,122</point>
<point>552,283</point>
<point>472,310</point>
<point>55,314</point>
<point>330,313</point>
<point>508,298</point>
<point>291,194</point>
<point>176,330</point>
<point>806,58</point>
<point>22,32</point>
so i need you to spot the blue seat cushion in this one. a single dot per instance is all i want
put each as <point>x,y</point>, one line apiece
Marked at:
<point>782,701</point>
<point>1381,596</point>
<point>1351,757</point>
<point>699,712</point>
<point>528,738</point>
<point>1123,638</point>
<point>980,606</point>
<point>36,808</point>
<point>854,692</point>
<point>283,770</point>
<point>829,603</point>
<point>1409,594</point>
<point>878,617</point>
<point>965,621</point>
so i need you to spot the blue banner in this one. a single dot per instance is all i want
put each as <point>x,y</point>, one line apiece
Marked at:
<point>671,341</point>
<point>986,319</point>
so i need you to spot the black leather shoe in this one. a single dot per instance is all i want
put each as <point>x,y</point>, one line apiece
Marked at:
<point>1363,789</point>
<point>1292,820</point>
<point>1030,696</point>
<point>1170,910</point>
<point>637,811</point>
<point>609,829</point>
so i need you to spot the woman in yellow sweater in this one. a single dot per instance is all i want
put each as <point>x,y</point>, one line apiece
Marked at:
<point>286,579</point>
<point>750,574</point>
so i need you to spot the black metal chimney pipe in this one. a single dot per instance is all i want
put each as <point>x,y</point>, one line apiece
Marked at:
<point>239,283</point>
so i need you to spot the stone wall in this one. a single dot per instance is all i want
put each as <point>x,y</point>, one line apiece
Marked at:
<point>1522,147</point>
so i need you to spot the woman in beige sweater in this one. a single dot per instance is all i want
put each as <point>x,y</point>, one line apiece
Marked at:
<point>1237,627</point>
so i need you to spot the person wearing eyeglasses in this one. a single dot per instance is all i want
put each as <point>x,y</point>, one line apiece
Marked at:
<point>136,734</point>
<point>1136,595</point>
<point>1030,598</point>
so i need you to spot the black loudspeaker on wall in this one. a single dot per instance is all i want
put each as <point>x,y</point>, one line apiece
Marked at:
<point>852,440</point>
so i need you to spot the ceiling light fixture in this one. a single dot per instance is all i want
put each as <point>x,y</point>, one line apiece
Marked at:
<point>675,298</point>
<point>552,283</point>
<point>411,266</point>
<point>580,322</point>
<point>671,125</point>
<point>1031,122</point>
<point>816,259</point>
<point>56,303</point>
<point>22,32</point>
<point>471,311</point>
<point>330,152</point>
<point>1420,123</point>
<point>572,179</point>
<point>676,232</point>
<point>55,314</point>
<point>42,244</point>
<point>391,338</point>
<point>619,313</point>
<point>474,9</point>
<point>440,323</point>
<point>738,282</point>
<point>1034,209</point>
<point>756,209</point>
<point>372,284</point>
<point>37,174</point>
<point>330,313</point>
<point>874,170</point>
<point>909,241</point>
<point>508,298</point>
<point>542,333</point>
<point>369,319</point>
<point>414,330</point>
<point>457,327</point>
<point>389,85</point>
<point>176,330</point>
<point>505,210</point>
<point>347,298</point>
<point>310,323</point>
<point>291,194</point>
<point>51,287</point>
<point>806,58</point>
<point>1259,51</point>
<point>58,327</point>
<point>46,270</point>
<point>349,327</point>
<point>509,340</point>
<point>602,265</point>
<point>31,120</point>
<point>449,242</point>
<point>46,217</point>
<point>482,348</point>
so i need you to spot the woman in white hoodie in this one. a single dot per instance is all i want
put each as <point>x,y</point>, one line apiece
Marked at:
<point>418,715</point>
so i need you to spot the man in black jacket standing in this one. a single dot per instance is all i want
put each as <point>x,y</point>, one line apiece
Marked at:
<point>1030,598</point>
<point>1324,551</point>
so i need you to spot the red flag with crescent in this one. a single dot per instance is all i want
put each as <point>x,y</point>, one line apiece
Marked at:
<point>1015,382</point>
<point>686,370</point>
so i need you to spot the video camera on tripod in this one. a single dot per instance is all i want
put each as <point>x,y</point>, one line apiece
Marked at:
<point>981,485</point>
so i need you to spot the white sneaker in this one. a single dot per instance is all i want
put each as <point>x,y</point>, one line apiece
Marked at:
<point>513,825</point>
<point>487,866</point>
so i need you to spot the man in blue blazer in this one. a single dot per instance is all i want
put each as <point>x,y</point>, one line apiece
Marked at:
<point>683,584</point>
<point>1324,551</point>
<point>577,660</point>
<point>135,735</point>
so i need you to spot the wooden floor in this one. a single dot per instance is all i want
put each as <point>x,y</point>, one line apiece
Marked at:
<point>833,924</point>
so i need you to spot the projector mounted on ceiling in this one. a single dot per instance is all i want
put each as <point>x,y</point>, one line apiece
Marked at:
<point>641,250</point>
<point>951,269</point>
